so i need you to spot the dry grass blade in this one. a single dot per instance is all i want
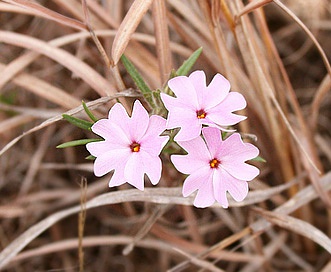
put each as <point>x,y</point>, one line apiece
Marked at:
<point>43,89</point>
<point>92,241</point>
<point>298,226</point>
<point>119,83</point>
<point>10,70</point>
<point>324,88</point>
<point>218,247</point>
<point>94,37</point>
<point>16,121</point>
<point>35,161</point>
<point>47,13</point>
<point>36,113</point>
<point>152,195</point>
<point>81,223</point>
<point>308,32</point>
<point>327,268</point>
<point>252,6</point>
<point>162,39</point>
<point>303,197</point>
<point>81,69</point>
<point>156,214</point>
<point>268,93</point>
<point>200,263</point>
<point>127,27</point>
<point>161,197</point>
<point>192,17</point>
<point>48,122</point>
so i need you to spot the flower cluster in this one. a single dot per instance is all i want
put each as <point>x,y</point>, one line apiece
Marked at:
<point>214,166</point>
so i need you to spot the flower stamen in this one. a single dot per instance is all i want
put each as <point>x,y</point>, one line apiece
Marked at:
<point>201,114</point>
<point>214,163</point>
<point>135,147</point>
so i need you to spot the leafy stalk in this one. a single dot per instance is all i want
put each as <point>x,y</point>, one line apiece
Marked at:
<point>89,113</point>
<point>139,81</point>
<point>78,122</point>
<point>188,64</point>
<point>78,142</point>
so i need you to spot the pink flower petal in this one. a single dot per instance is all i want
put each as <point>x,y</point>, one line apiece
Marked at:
<point>98,148</point>
<point>156,126</point>
<point>182,165</point>
<point>220,188</point>
<point>205,196</point>
<point>103,128</point>
<point>169,102</point>
<point>234,153</point>
<point>139,121</point>
<point>234,147</point>
<point>222,113</point>
<point>117,178</point>
<point>234,101</point>
<point>112,133</point>
<point>198,80</point>
<point>187,121</point>
<point>238,189</point>
<point>152,143</point>
<point>152,166</point>
<point>216,92</point>
<point>179,117</point>
<point>153,147</point>
<point>134,171</point>
<point>117,115</point>
<point>110,160</point>
<point>196,148</point>
<point>213,140</point>
<point>196,180</point>
<point>242,171</point>
<point>198,156</point>
<point>184,90</point>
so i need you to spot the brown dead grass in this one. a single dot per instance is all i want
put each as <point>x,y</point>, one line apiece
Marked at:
<point>53,54</point>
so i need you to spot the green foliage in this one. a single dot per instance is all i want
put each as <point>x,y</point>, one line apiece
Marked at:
<point>139,81</point>
<point>78,142</point>
<point>78,122</point>
<point>8,98</point>
<point>188,64</point>
<point>89,113</point>
<point>259,159</point>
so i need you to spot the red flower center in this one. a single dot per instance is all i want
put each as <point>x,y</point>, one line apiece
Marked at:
<point>214,163</point>
<point>201,114</point>
<point>135,147</point>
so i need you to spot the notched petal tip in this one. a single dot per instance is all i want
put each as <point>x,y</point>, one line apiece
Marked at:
<point>117,112</point>
<point>203,203</point>
<point>220,82</point>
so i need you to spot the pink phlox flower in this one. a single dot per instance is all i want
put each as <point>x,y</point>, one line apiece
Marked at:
<point>216,166</point>
<point>197,104</point>
<point>131,146</point>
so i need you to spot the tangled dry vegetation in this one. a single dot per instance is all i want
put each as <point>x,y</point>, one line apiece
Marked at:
<point>57,216</point>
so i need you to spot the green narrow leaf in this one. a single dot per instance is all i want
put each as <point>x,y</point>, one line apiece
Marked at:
<point>90,157</point>
<point>78,122</point>
<point>138,80</point>
<point>89,113</point>
<point>188,64</point>
<point>78,142</point>
<point>259,159</point>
